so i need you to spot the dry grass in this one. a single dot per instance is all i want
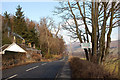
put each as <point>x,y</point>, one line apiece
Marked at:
<point>85,69</point>
<point>111,62</point>
<point>112,66</point>
<point>70,57</point>
<point>83,58</point>
<point>54,57</point>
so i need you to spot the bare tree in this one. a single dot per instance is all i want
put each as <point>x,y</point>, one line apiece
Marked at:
<point>97,19</point>
<point>46,36</point>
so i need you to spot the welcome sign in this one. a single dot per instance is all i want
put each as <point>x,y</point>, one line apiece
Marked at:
<point>86,45</point>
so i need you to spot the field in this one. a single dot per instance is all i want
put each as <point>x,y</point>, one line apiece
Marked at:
<point>112,66</point>
<point>112,61</point>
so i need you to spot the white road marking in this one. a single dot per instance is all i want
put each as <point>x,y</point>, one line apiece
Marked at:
<point>43,63</point>
<point>32,68</point>
<point>11,77</point>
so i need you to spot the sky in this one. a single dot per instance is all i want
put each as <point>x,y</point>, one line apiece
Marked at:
<point>36,10</point>
<point>32,10</point>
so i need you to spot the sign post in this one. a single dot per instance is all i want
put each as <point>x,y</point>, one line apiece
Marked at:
<point>86,45</point>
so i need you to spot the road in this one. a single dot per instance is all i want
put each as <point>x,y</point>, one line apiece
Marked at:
<point>35,70</point>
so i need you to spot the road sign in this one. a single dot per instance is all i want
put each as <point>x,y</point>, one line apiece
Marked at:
<point>86,45</point>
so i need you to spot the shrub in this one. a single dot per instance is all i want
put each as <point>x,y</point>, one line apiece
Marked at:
<point>12,58</point>
<point>36,57</point>
<point>85,69</point>
<point>48,56</point>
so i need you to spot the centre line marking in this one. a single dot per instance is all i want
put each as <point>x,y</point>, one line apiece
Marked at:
<point>32,68</point>
<point>43,63</point>
<point>11,77</point>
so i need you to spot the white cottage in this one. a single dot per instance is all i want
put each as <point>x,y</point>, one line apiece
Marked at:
<point>14,48</point>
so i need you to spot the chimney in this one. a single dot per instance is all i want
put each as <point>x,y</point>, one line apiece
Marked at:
<point>14,39</point>
<point>23,42</point>
<point>29,45</point>
<point>33,45</point>
<point>8,33</point>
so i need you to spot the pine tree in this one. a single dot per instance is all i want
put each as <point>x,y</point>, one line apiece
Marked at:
<point>32,37</point>
<point>19,23</point>
<point>7,18</point>
<point>20,26</point>
<point>6,21</point>
<point>6,27</point>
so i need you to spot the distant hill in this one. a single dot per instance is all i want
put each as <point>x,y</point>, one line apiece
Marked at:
<point>114,43</point>
<point>77,50</point>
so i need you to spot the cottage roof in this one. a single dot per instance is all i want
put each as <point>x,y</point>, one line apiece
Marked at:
<point>14,47</point>
<point>4,47</point>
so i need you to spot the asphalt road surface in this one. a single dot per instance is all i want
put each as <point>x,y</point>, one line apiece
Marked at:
<point>35,70</point>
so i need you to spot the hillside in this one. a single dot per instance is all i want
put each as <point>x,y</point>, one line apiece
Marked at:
<point>77,50</point>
